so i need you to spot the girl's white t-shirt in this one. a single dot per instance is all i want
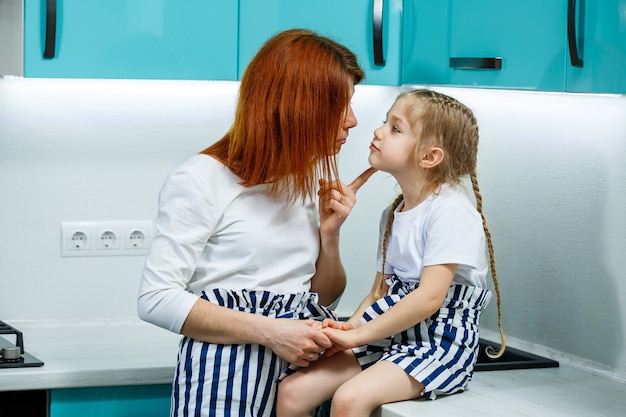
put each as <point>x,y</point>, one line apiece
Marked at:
<point>211,232</point>
<point>445,228</point>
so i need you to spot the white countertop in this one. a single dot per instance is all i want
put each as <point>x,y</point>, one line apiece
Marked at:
<point>131,352</point>
<point>93,353</point>
<point>544,392</point>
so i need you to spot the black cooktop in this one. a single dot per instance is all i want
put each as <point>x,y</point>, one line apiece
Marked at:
<point>25,359</point>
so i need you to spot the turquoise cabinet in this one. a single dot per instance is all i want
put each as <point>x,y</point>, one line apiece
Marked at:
<point>353,23</point>
<point>556,45</point>
<point>147,39</point>
<point>599,40</point>
<point>485,43</point>
<point>527,45</point>
<point>123,401</point>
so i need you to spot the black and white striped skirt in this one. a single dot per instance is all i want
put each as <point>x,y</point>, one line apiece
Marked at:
<point>441,351</point>
<point>236,380</point>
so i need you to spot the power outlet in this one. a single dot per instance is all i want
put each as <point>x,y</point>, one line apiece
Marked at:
<point>106,238</point>
<point>137,237</point>
<point>77,238</point>
<point>79,241</point>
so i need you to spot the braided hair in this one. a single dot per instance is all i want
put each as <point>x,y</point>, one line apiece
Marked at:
<point>450,125</point>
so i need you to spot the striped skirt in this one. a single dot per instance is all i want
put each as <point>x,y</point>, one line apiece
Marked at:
<point>441,351</point>
<point>236,380</point>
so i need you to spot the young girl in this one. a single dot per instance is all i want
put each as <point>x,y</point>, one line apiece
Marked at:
<point>421,338</point>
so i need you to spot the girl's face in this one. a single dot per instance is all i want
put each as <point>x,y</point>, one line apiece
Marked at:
<point>393,147</point>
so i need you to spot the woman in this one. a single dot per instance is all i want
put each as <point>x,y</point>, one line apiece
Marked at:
<point>238,233</point>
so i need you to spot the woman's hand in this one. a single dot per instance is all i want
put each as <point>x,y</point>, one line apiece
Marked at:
<point>297,341</point>
<point>337,200</point>
<point>335,203</point>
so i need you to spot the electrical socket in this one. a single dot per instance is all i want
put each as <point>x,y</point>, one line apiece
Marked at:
<point>137,237</point>
<point>79,241</point>
<point>106,238</point>
<point>76,238</point>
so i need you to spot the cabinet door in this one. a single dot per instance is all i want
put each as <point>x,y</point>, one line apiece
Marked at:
<point>349,22</point>
<point>150,39</point>
<point>126,401</point>
<point>599,41</point>
<point>485,43</point>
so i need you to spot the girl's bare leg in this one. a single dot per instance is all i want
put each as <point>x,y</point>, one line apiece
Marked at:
<point>381,383</point>
<point>300,393</point>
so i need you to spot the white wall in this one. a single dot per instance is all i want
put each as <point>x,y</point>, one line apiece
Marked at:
<point>89,150</point>
<point>552,168</point>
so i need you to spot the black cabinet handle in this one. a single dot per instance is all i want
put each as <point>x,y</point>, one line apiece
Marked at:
<point>571,34</point>
<point>476,63</point>
<point>51,28</point>
<point>377,26</point>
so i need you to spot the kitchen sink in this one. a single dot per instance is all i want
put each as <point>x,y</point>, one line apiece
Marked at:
<point>511,359</point>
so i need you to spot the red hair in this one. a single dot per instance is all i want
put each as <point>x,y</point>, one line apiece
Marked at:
<point>292,100</point>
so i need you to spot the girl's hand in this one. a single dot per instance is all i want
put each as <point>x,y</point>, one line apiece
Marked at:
<point>336,324</point>
<point>329,324</point>
<point>342,340</point>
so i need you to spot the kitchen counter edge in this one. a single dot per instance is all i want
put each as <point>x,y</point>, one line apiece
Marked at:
<point>92,353</point>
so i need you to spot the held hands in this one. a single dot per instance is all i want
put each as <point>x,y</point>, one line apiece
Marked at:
<point>297,341</point>
<point>304,341</point>
<point>301,342</point>
<point>341,334</point>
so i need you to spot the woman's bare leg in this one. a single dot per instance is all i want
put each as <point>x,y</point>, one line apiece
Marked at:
<point>381,383</point>
<point>300,393</point>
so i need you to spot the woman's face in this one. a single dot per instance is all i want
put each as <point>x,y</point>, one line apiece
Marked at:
<point>348,122</point>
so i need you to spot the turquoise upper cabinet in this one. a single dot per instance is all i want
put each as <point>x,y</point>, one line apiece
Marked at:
<point>353,23</point>
<point>597,31</point>
<point>485,43</point>
<point>148,39</point>
<point>556,45</point>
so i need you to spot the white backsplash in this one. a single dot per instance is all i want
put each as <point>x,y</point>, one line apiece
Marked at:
<point>552,169</point>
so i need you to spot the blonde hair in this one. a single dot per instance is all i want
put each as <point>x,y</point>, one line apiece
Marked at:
<point>450,125</point>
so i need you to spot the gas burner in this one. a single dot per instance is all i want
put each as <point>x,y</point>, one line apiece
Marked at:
<point>12,354</point>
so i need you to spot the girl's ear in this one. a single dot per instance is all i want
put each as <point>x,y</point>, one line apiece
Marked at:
<point>432,158</point>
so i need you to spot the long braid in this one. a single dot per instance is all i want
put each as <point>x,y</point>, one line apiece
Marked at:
<point>379,291</point>
<point>463,161</point>
<point>491,352</point>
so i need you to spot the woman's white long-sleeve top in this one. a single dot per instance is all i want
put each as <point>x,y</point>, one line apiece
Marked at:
<point>213,233</point>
